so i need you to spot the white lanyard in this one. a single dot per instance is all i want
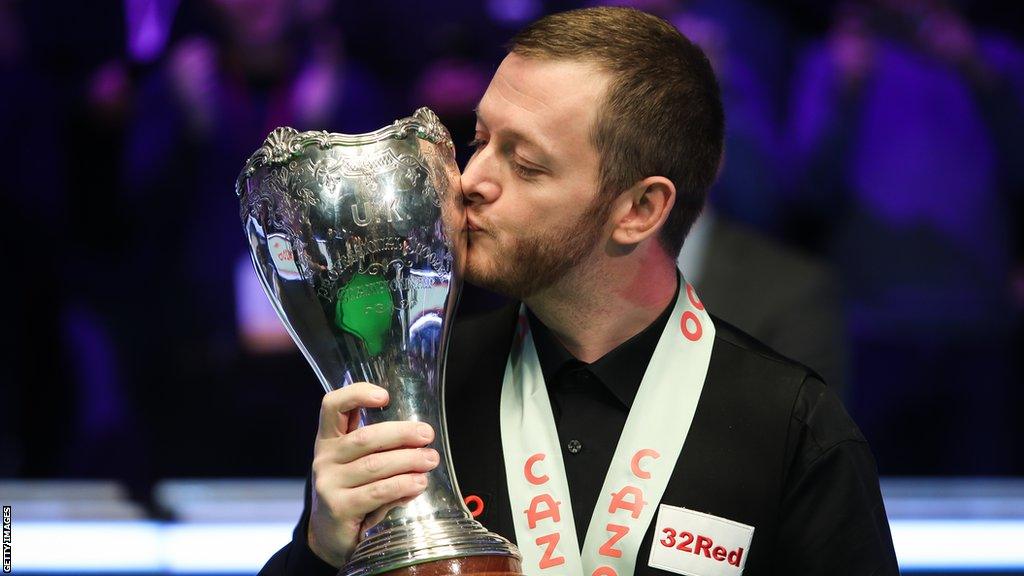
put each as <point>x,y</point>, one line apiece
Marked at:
<point>645,456</point>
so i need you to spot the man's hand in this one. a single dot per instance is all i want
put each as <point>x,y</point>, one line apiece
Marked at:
<point>357,471</point>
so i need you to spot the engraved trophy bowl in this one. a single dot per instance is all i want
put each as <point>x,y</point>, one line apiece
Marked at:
<point>359,242</point>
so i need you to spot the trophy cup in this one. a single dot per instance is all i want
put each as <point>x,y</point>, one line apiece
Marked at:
<point>359,242</point>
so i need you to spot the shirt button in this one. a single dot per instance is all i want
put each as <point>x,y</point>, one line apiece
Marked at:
<point>574,446</point>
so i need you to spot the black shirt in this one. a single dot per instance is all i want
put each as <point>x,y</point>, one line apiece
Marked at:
<point>590,403</point>
<point>770,447</point>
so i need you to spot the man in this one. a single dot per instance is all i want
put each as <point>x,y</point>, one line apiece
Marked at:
<point>609,425</point>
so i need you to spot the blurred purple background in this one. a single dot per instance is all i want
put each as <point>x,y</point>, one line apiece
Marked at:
<point>881,137</point>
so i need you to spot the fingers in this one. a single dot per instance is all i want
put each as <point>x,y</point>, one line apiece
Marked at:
<point>368,498</point>
<point>339,408</point>
<point>373,518</point>
<point>356,503</point>
<point>381,465</point>
<point>374,438</point>
<point>360,472</point>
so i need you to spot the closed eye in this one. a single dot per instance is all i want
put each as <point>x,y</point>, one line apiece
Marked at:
<point>524,172</point>
<point>476,144</point>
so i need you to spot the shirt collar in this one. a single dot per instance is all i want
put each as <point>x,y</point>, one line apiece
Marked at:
<point>621,370</point>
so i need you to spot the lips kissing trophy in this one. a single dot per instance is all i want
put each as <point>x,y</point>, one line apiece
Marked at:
<point>359,242</point>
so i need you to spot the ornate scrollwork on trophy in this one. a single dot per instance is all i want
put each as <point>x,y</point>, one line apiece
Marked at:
<point>359,242</point>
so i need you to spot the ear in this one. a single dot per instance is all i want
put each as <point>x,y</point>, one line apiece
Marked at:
<point>642,209</point>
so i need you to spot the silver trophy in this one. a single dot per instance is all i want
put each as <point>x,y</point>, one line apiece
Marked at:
<point>359,242</point>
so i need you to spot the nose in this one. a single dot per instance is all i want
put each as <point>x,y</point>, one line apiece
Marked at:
<point>479,179</point>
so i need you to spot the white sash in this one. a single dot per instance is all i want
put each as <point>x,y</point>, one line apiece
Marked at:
<point>645,456</point>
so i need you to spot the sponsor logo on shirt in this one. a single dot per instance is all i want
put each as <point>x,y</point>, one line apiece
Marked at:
<point>698,544</point>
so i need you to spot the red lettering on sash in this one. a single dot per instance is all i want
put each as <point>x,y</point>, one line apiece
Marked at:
<point>634,464</point>
<point>547,560</point>
<point>693,297</point>
<point>528,470</point>
<point>620,501</point>
<point>608,548</point>
<point>691,334</point>
<point>535,513</point>
<point>604,571</point>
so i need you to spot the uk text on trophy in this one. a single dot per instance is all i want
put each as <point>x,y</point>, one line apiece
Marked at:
<point>359,242</point>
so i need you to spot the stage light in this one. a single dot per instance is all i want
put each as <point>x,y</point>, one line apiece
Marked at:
<point>236,548</point>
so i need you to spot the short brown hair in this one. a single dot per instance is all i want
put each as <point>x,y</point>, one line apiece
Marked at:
<point>662,115</point>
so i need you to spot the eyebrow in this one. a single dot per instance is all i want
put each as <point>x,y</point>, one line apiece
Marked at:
<point>519,137</point>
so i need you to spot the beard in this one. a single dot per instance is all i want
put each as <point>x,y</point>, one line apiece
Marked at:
<point>521,267</point>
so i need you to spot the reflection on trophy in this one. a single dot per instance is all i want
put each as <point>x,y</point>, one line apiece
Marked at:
<point>359,242</point>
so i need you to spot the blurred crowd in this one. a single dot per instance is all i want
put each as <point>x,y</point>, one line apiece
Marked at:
<point>867,219</point>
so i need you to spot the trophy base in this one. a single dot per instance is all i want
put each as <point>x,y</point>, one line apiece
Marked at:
<point>440,542</point>
<point>470,566</point>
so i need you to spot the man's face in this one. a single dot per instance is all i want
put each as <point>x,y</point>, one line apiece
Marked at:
<point>531,187</point>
